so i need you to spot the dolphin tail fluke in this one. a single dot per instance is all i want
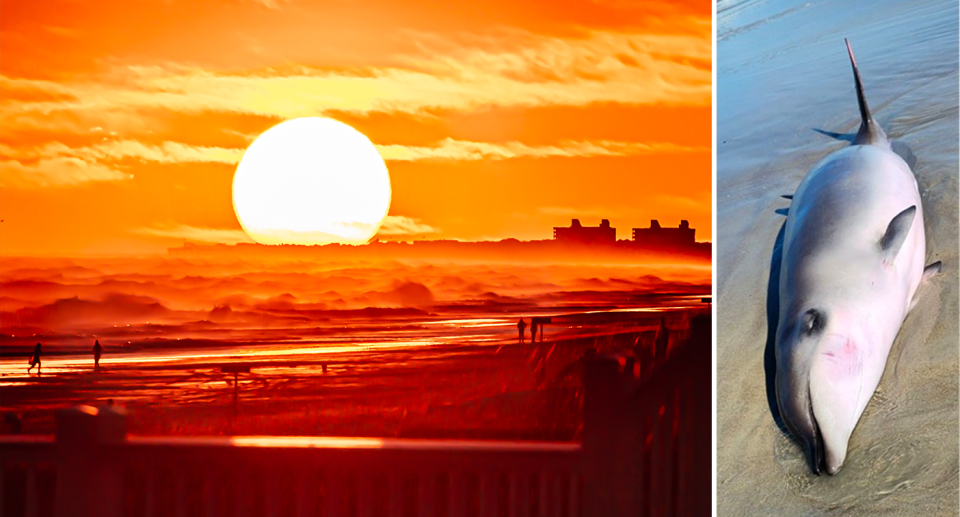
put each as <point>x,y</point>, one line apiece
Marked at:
<point>870,132</point>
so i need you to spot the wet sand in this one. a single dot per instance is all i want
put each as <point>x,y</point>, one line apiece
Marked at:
<point>471,380</point>
<point>782,74</point>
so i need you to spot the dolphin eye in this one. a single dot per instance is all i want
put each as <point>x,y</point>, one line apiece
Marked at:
<point>813,322</point>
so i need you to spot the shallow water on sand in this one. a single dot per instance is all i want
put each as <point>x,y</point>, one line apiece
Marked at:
<point>782,74</point>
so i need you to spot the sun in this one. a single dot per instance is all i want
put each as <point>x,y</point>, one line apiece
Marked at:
<point>311,181</point>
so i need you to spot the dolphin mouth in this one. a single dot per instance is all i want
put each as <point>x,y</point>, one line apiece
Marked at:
<point>818,460</point>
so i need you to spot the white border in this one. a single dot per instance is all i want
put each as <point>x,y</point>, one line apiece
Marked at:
<point>713,245</point>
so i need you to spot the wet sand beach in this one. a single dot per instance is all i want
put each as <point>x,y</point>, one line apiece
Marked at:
<point>783,77</point>
<point>467,378</point>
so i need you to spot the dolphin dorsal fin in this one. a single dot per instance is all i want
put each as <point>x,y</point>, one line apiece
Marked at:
<point>870,132</point>
<point>896,233</point>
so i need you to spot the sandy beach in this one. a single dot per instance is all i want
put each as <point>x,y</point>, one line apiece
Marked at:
<point>783,75</point>
<point>491,389</point>
<point>348,348</point>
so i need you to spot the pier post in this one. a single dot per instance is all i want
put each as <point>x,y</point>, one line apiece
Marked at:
<point>603,428</point>
<point>89,470</point>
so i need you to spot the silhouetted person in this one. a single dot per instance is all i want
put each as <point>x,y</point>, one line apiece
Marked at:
<point>97,350</point>
<point>35,360</point>
<point>324,365</point>
<point>521,327</point>
<point>533,330</point>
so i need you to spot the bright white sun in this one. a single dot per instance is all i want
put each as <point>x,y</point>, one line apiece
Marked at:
<point>311,181</point>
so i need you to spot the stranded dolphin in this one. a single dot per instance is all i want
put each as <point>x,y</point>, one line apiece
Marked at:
<point>853,252</point>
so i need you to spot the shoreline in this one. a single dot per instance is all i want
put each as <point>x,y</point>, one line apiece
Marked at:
<point>457,390</point>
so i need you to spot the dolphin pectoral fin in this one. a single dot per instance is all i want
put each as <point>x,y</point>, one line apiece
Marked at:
<point>784,211</point>
<point>896,233</point>
<point>846,137</point>
<point>928,272</point>
<point>931,270</point>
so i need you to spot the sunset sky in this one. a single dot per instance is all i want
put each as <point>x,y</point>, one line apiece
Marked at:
<point>123,122</point>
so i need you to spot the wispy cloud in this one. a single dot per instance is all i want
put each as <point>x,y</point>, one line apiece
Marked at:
<point>56,171</point>
<point>197,234</point>
<point>400,225</point>
<point>167,152</point>
<point>59,164</point>
<point>56,164</point>
<point>605,67</point>
<point>449,149</point>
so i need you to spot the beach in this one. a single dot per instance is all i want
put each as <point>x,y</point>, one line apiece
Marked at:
<point>333,348</point>
<point>784,85</point>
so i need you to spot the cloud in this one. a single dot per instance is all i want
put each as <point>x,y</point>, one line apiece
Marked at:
<point>193,233</point>
<point>443,75</point>
<point>167,152</point>
<point>58,164</point>
<point>450,149</point>
<point>56,171</point>
<point>401,225</point>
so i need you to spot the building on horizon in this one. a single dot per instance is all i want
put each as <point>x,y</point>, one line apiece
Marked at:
<point>658,236</point>
<point>579,234</point>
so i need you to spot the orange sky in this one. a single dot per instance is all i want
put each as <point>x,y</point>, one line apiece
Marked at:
<point>123,122</point>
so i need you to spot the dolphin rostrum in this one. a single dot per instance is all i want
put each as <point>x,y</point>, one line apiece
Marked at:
<point>853,252</point>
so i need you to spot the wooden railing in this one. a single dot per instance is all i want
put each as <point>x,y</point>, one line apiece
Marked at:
<point>646,451</point>
<point>647,438</point>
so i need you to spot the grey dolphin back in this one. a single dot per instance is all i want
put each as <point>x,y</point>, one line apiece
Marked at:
<point>870,132</point>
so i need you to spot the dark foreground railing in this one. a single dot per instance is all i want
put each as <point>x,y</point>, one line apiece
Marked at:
<point>646,451</point>
<point>647,439</point>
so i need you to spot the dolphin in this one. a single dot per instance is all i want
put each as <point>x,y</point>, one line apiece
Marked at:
<point>853,258</point>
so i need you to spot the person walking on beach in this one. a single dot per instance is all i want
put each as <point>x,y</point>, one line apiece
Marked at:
<point>521,327</point>
<point>35,360</point>
<point>533,330</point>
<point>97,350</point>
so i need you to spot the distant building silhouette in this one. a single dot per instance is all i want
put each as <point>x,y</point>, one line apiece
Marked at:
<point>658,236</point>
<point>579,234</point>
